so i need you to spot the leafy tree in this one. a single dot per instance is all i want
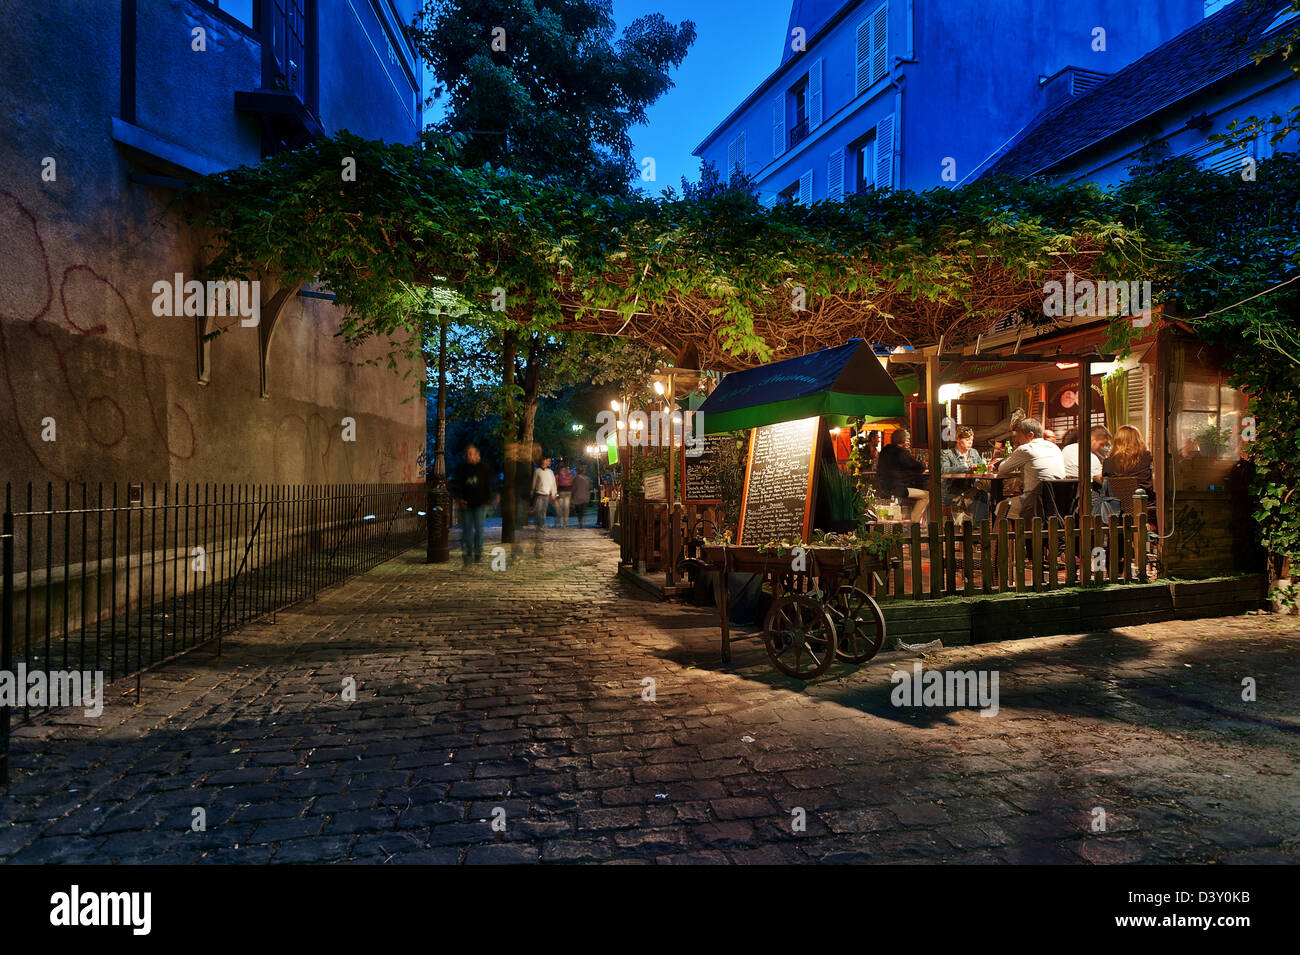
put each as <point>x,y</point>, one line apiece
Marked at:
<point>543,86</point>
<point>1237,284</point>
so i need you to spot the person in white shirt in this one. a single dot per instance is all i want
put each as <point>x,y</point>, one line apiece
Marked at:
<point>1036,459</point>
<point>544,492</point>
<point>1070,453</point>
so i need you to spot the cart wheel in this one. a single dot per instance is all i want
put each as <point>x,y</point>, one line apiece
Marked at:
<point>859,624</point>
<point>800,636</point>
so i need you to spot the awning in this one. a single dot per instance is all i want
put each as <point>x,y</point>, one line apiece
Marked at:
<point>839,382</point>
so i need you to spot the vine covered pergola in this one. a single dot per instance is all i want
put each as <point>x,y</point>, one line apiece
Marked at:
<point>717,275</point>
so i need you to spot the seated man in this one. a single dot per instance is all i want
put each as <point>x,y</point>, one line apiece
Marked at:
<point>1036,459</point>
<point>1070,453</point>
<point>902,476</point>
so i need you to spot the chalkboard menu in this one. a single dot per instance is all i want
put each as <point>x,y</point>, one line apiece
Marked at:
<point>699,479</point>
<point>779,482</point>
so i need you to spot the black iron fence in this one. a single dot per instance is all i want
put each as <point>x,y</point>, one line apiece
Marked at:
<point>117,579</point>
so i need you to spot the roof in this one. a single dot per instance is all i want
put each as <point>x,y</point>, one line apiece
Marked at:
<point>811,15</point>
<point>1215,48</point>
<point>842,380</point>
<point>826,14</point>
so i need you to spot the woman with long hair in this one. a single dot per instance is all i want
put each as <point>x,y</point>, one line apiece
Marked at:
<point>1129,456</point>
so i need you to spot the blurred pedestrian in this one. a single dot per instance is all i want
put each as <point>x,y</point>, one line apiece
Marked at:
<point>579,493</point>
<point>474,491</point>
<point>544,492</point>
<point>564,487</point>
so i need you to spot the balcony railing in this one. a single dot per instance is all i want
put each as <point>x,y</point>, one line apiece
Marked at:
<point>798,133</point>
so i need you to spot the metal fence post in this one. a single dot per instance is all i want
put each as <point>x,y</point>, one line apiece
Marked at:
<point>7,633</point>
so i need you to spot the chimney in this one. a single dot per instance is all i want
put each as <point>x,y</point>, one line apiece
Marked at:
<point>1069,82</point>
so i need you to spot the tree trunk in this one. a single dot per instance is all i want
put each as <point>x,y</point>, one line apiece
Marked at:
<point>511,444</point>
<point>439,549</point>
<point>532,379</point>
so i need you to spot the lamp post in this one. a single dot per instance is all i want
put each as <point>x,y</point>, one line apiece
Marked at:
<point>438,503</point>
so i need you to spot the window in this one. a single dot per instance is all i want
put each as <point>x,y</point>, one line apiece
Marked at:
<point>873,49</point>
<point>863,158</point>
<point>799,191</point>
<point>284,47</point>
<point>798,113</point>
<point>736,157</point>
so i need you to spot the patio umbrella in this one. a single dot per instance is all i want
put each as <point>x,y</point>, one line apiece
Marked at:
<point>838,382</point>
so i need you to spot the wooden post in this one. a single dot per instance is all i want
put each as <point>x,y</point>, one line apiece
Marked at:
<point>670,575</point>
<point>1085,468</point>
<point>932,370</point>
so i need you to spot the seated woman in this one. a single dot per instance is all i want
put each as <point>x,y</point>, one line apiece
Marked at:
<point>902,476</point>
<point>1129,457</point>
<point>963,458</point>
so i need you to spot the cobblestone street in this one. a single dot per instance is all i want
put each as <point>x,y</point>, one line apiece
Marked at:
<point>482,692</point>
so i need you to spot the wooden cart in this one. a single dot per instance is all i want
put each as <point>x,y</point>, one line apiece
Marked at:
<point>818,612</point>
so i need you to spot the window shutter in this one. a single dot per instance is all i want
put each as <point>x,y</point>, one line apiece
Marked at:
<point>880,43</point>
<point>736,157</point>
<point>815,95</point>
<point>1137,399</point>
<point>885,153</point>
<point>835,175</point>
<point>778,126</point>
<point>863,58</point>
<point>805,189</point>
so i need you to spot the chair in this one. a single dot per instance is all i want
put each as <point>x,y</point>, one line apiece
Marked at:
<point>1124,487</point>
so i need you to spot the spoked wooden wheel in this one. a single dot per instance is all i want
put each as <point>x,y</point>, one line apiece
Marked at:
<point>800,636</point>
<point>859,624</point>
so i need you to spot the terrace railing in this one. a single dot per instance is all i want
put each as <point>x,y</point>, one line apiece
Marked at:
<point>119,578</point>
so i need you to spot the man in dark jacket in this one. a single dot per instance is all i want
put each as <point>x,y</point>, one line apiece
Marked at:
<point>902,476</point>
<point>474,490</point>
<point>579,493</point>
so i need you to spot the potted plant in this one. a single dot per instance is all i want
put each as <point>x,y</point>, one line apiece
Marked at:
<point>843,499</point>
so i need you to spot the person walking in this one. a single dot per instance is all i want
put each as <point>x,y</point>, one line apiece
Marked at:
<point>579,493</point>
<point>474,491</point>
<point>544,492</point>
<point>564,488</point>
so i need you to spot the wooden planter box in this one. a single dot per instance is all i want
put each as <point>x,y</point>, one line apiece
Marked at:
<point>1218,598</point>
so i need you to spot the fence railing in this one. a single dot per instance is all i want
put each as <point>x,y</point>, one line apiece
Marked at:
<point>118,578</point>
<point>932,560</point>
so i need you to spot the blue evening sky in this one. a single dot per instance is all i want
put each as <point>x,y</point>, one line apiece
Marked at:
<point>737,44</point>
